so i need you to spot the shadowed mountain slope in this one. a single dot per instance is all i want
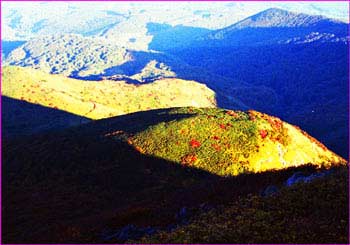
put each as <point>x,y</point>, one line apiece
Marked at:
<point>274,26</point>
<point>91,181</point>
<point>22,118</point>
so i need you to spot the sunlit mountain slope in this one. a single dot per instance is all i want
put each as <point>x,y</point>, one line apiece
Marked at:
<point>101,99</point>
<point>226,142</point>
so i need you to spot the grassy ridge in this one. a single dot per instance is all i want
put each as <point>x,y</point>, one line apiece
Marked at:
<point>226,142</point>
<point>102,99</point>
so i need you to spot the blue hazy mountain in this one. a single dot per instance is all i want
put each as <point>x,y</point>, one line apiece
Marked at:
<point>302,58</point>
<point>279,26</point>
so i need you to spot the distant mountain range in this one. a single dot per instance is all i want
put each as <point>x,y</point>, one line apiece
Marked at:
<point>284,63</point>
<point>174,122</point>
<point>125,24</point>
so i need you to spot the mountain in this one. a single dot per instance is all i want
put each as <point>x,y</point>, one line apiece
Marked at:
<point>274,26</point>
<point>125,24</point>
<point>113,130</point>
<point>228,142</point>
<point>298,59</point>
<point>71,55</point>
<point>275,17</point>
<point>287,64</point>
<point>101,99</point>
<point>98,178</point>
<point>95,60</point>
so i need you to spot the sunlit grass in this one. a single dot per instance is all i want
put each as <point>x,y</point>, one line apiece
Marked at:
<point>226,142</point>
<point>101,99</point>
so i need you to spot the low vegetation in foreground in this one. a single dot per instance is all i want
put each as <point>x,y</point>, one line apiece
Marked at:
<point>315,212</point>
<point>99,183</point>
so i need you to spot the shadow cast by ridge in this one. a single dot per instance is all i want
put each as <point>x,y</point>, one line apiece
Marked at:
<point>21,118</point>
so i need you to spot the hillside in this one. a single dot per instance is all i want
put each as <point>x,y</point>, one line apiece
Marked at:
<point>101,99</point>
<point>300,59</point>
<point>68,54</point>
<point>96,180</point>
<point>174,122</point>
<point>226,142</point>
<point>302,214</point>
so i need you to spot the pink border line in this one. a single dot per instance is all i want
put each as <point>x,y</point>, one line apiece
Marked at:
<point>174,1</point>
<point>158,1</point>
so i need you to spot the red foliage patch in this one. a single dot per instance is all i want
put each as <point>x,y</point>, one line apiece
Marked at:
<point>216,137</point>
<point>263,133</point>
<point>232,113</point>
<point>189,159</point>
<point>139,149</point>
<point>222,126</point>
<point>252,116</point>
<point>216,147</point>
<point>276,123</point>
<point>195,143</point>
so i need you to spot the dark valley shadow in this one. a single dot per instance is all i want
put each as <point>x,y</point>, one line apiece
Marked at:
<point>21,118</point>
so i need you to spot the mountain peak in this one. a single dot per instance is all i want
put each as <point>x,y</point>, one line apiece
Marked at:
<point>275,17</point>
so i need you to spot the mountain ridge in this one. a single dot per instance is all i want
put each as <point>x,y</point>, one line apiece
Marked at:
<point>101,99</point>
<point>277,26</point>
